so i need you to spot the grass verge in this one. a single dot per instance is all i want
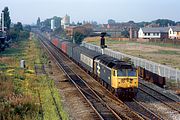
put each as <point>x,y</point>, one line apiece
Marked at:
<point>23,94</point>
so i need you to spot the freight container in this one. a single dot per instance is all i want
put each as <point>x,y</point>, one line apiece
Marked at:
<point>84,57</point>
<point>70,47</point>
<point>64,46</point>
<point>55,41</point>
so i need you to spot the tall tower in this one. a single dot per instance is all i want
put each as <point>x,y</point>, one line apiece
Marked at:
<point>65,21</point>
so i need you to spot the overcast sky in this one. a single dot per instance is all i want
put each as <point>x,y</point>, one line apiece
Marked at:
<point>27,11</point>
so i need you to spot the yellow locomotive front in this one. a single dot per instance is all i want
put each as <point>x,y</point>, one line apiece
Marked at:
<point>125,81</point>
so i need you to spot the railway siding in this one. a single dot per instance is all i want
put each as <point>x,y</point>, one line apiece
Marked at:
<point>172,75</point>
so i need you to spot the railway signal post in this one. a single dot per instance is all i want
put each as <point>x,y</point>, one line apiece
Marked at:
<point>103,46</point>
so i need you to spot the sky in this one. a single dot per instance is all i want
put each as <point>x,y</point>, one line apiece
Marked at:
<point>27,11</point>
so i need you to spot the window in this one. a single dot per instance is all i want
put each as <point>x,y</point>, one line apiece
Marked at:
<point>131,72</point>
<point>148,34</point>
<point>127,72</point>
<point>145,34</point>
<point>158,34</point>
<point>122,72</point>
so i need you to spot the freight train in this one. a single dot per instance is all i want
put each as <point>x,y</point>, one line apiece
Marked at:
<point>117,76</point>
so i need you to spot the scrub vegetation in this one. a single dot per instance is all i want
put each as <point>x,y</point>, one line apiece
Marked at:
<point>24,94</point>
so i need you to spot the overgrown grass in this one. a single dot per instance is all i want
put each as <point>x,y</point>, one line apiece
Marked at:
<point>109,42</point>
<point>16,49</point>
<point>170,52</point>
<point>50,112</point>
<point>22,92</point>
<point>162,44</point>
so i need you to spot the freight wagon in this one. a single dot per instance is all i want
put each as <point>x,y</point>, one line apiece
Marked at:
<point>118,76</point>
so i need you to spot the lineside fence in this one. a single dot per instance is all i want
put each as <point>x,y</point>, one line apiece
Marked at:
<point>162,70</point>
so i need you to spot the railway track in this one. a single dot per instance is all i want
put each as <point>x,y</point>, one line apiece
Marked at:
<point>142,110</point>
<point>102,110</point>
<point>135,105</point>
<point>146,114</point>
<point>41,70</point>
<point>171,103</point>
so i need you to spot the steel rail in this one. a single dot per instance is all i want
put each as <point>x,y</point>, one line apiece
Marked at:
<point>77,86</point>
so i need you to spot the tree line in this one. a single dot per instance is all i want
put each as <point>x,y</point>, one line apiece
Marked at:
<point>13,32</point>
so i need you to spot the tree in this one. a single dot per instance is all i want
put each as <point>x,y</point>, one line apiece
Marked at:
<point>14,34</point>
<point>38,22</point>
<point>47,23</point>
<point>27,28</point>
<point>78,37</point>
<point>7,19</point>
<point>178,23</point>
<point>143,24</point>
<point>164,22</point>
<point>17,32</point>
<point>18,27</point>
<point>79,23</point>
<point>125,33</point>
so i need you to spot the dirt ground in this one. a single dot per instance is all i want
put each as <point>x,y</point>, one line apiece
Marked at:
<point>73,102</point>
<point>169,56</point>
<point>163,55</point>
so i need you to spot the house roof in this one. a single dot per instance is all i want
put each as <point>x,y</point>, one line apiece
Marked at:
<point>155,29</point>
<point>176,28</point>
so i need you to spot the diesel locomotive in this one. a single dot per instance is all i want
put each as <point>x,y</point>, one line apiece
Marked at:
<point>119,77</point>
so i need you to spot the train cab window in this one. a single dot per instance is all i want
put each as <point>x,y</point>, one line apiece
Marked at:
<point>122,72</point>
<point>131,72</point>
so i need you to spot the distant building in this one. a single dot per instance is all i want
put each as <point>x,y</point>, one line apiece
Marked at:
<point>52,24</point>
<point>152,25</point>
<point>153,33</point>
<point>132,33</point>
<point>116,30</point>
<point>65,21</point>
<point>83,29</point>
<point>174,32</point>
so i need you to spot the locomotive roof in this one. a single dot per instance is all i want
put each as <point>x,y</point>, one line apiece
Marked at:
<point>113,62</point>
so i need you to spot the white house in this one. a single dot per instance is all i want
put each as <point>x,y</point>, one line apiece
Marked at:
<point>153,32</point>
<point>174,32</point>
